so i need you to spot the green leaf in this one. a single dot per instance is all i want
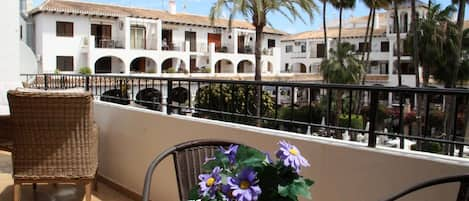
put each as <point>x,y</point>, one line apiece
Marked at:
<point>249,157</point>
<point>299,187</point>
<point>194,194</point>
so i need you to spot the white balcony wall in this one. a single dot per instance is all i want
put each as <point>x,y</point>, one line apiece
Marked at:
<point>130,139</point>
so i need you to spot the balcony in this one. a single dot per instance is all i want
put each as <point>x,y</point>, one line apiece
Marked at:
<point>364,163</point>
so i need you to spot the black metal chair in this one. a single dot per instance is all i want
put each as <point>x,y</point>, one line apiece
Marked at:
<point>188,159</point>
<point>463,194</point>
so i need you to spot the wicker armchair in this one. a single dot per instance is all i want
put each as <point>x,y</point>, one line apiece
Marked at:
<point>55,139</point>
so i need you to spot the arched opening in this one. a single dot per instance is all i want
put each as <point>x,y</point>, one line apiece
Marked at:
<point>173,65</point>
<point>224,66</point>
<point>298,68</point>
<point>143,65</point>
<point>314,68</point>
<point>109,64</point>
<point>245,66</point>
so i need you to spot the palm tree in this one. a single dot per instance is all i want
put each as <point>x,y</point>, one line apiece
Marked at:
<point>257,11</point>
<point>342,67</point>
<point>460,27</point>
<point>373,5</point>
<point>341,5</point>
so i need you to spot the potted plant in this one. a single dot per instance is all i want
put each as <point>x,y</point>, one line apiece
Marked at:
<point>240,173</point>
<point>85,70</point>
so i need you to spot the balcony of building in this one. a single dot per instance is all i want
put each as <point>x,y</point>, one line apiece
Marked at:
<point>366,159</point>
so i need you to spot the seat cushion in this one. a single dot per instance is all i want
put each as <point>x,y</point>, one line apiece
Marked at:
<point>4,88</point>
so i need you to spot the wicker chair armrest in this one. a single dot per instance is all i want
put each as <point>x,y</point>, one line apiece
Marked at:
<point>5,128</point>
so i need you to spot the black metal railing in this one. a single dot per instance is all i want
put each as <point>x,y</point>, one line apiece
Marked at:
<point>376,115</point>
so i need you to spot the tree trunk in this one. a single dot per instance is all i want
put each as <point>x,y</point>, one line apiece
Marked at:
<point>326,49</point>
<point>258,52</point>
<point>367,63</point>
<point>415,63</point>
<point>398,43</point>
<point>340,28</point>
<point>366,33</point>
<point>258,76</point>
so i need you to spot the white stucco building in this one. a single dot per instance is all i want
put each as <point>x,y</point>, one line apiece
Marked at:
<point>69,35</point>
<point>303,52</point>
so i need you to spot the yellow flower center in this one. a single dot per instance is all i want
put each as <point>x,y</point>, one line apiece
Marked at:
<point>294,151</point>
<point>210,181</point>
<point>244,185</point>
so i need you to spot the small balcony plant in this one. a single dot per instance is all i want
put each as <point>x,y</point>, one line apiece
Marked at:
<point>240,173</point>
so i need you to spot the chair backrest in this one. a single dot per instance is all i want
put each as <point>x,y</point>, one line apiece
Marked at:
<point>54,134</point>
<point>188,159</point>
<point>463,193</point>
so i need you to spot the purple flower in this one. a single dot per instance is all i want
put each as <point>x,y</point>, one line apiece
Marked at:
<point>209,183</point>
<point>230,152</point>
<point>244,185</point>
<point>291,156</point>
<point>227,192</point>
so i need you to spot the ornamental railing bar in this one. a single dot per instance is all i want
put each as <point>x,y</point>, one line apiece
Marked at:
<point>283,108</point>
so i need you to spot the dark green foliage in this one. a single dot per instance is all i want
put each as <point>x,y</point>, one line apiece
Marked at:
<point>431,147</point>
<point>357,121</point>
<point>150,98</point>
<point>238,99</point>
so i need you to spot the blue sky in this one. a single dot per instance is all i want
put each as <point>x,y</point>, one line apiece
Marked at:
<point>278,21</point>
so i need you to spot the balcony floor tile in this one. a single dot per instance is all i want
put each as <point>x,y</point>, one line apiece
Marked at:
<point>45,192</point>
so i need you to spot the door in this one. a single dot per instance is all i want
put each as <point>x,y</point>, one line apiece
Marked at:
<point>241,40</point>
<point>102,34</point>
<point>191,37</point>
<point>137,37</point>
<point>193,64</point>
<point>216,39</point>
<point>167,39</point>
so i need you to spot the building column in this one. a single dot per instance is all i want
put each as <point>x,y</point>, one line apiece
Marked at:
<point>276,63</point>
<point>391,58</point>
<point>211,49</point>
<point>234,37</point>
<point>127,32</point>
<point>159,35</point>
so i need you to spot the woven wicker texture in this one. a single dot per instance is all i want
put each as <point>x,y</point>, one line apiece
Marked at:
<point>54,135</point>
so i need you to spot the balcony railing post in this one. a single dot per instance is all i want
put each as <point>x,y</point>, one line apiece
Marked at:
<point>46,82</point>
<point>169,100</point>
<point>87,82</point>
<point>372,115</point>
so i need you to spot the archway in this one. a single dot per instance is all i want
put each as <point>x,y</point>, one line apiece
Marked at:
<point>245,66</point>
<point>143,65</point>
<point>173,65</point>
<point>298,68</point>
<point>224,66</point>
<point>109,64</point>
<point>314,68</point>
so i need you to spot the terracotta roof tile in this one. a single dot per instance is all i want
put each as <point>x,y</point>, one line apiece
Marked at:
<point>333,33</point>
<point>109,10</point>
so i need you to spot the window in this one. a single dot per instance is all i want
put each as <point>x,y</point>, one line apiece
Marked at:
<point>65,63</point>
<point>271,43</point>
<point>303,48</point>
<point>21,32</point>
<point>64,29</point>
<point>288,48</point>
<point>137,37</point>
<point>364,47</point>
<point>385,46</point>
<point>320,50</point>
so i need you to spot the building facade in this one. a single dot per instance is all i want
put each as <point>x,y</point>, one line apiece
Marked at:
<point>304,52</point>
<point>69,35</point>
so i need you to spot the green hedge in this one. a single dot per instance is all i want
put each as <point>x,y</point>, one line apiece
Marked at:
<point>357,121</point>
